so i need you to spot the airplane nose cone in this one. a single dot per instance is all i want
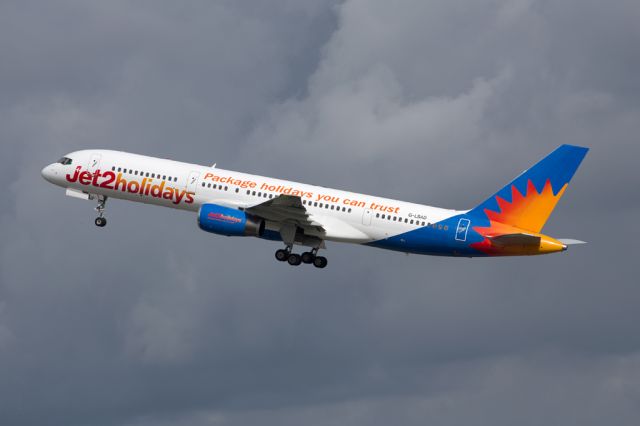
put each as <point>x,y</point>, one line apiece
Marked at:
<point>49,173</point>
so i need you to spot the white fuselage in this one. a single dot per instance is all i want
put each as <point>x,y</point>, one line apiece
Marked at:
<point>344,216</point>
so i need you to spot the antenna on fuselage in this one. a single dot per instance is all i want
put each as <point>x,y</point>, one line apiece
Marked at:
<point>214,165</point>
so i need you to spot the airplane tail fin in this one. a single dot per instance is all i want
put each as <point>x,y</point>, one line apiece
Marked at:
<point>528,200</point>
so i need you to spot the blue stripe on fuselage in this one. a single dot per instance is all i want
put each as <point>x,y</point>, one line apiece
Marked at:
<point>436,239</point>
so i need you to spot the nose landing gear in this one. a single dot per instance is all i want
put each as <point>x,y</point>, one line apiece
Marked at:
<point>101,221</point>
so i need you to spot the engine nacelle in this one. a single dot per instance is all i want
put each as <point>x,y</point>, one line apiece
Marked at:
<point>231,222</point>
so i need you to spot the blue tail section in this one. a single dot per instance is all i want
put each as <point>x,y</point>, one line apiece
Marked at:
<point>503,224</point>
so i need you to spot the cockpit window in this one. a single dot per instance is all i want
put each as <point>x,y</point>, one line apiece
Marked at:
<point>65,161</point>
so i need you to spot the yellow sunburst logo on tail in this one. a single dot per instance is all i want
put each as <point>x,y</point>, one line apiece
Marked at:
<point>527,212</point>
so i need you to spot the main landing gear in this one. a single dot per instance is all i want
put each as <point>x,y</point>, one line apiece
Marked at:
<point>308,257</point>
<point>101,221</point>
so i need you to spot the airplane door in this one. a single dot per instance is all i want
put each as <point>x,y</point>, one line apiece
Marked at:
<point>366,217</point>
<point>192,182</point>
<point>463,228</point>
<point>94,163</point>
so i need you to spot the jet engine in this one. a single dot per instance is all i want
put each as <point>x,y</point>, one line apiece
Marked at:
<point>227,221</point>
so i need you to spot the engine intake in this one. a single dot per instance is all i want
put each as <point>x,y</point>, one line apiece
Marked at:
<point>227,221</point>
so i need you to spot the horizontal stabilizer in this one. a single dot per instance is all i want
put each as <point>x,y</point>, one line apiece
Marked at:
<point>569,241</point>
<point>508,240</point>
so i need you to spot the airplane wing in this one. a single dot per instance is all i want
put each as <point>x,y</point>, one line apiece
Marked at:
<point>286,209</point>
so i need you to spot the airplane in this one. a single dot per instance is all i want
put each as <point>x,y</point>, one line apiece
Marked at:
<point>508,223</point>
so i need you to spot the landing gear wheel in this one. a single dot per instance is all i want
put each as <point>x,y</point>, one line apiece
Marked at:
<point>320,262</point>
<point>100,220</point>
<point>294,259</point>
<point>282,255</point>
<point>308,257</point>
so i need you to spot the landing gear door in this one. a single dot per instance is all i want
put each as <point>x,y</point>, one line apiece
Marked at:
<point>94,163</point>
<point>192,182</point>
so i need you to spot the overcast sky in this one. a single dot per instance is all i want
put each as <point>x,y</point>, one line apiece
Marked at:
<point>151,321</point>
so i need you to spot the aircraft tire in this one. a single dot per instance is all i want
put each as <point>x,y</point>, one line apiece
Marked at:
<point>320,262</point>
<point>100,222</point>
<point>294,259</point>
<point>307,257</point>
<point>282,255</point>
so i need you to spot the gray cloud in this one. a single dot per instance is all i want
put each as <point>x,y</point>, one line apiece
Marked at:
<point>152,321</point>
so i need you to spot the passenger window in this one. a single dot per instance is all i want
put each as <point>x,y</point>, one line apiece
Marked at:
<point>383,216</point>
<point>248,192</point>
<point>237,190</point>
<point>315,204</point>
<point>253,193</point>
<point>203,184</point>
<point>113,169</point>
<point>349,210</point>
<point>226,188</point>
